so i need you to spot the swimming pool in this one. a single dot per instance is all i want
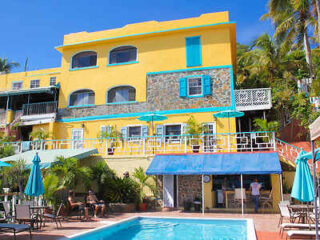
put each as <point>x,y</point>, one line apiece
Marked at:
<point>154,228</point>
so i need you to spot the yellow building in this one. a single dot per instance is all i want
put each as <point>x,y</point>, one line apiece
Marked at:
<point>109,79</point>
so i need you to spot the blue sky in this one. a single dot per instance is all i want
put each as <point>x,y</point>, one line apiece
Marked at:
<point>32,28</point>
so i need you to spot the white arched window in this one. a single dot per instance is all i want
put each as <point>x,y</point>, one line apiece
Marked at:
<point>123,54</point>
<point>82,98</point>
<point>84,59</point>
<point>121,94</point>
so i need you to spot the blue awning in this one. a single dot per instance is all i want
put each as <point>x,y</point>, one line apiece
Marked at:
<point>215,164</point>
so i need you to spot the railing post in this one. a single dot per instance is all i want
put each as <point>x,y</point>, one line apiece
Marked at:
<point>274,141</point>
<point>185,144</point>
<point>229,144</point>
<point>106,151</point>
<point>144,146</point>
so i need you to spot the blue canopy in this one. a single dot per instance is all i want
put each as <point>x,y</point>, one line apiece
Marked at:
<point>35,185</point>
<point>215,164</point>
<point>228,114</point>
<point>302,188</point>
<point>152,117</point>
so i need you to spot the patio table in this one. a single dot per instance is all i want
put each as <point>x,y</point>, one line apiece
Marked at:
<point>39,211</point>
<point>302,211</point>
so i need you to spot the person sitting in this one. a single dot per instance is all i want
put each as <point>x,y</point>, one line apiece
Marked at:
<point>75,206</point>
<point>93,200</point>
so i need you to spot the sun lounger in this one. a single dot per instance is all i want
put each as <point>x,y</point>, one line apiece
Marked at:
<point>286,226</point>
<point>15,228</point>
<point>296,234</point>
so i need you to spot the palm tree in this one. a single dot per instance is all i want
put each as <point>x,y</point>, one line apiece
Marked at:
<point>291,19</point>
<point>6,66</point>
<point>70,173</point>
<point>101,173</point>
<point>144,181</point>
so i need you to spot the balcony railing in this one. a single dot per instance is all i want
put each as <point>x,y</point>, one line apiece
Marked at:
<point>208,143</point>
<point>253,99</point>
<point>39,108</point>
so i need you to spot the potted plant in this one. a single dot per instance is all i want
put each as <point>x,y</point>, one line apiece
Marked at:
<point>193,130</point>
<point>145,183</point>
<point>113,135</point>
<point>38,136</point>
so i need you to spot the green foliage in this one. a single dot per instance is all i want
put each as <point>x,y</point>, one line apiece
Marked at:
<point>145,183</point>
<point>70,173</point>
<point>6,66</point>
<point>264,125</point>
<point>123,190</point>
<point>101,174</point>
<point>51,185</point>
<point>194,128</point>
<point>6,151</point>
<point>16,176</point>
<point>39,134</point>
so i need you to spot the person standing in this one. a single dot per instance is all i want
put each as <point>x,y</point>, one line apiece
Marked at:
<point>255,193</point>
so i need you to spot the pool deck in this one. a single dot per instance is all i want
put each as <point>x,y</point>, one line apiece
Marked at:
<point>266,224</point>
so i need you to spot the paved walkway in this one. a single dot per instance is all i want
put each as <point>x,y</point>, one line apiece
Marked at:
<point>266,224</point>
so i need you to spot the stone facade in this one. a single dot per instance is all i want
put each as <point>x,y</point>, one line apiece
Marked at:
<point>189,187</point>
<point>163,94</point>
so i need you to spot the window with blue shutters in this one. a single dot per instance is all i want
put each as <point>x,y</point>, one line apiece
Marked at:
<point>193,51</point>
<point>124,132</point>
<point>195,86</point>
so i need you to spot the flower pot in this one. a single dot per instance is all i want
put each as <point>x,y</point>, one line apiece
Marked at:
<point>196,148</point>
<point>142,206</point>
<point>110,151</point>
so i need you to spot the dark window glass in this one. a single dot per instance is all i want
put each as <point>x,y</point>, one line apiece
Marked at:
<point>34,83</point>
<point>122,94</point>
<point>195,86</point>
<point>53,81</point>
<point>173,130</point>
<point>84,59</point>
<point>123,54</point>
<point>82,97</point>
<point>135,132</point>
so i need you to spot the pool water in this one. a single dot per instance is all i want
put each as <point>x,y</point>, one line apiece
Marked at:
<point>142,228</point>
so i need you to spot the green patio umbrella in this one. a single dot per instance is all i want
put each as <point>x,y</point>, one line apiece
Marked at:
<point>35,185</point>
<point>152,117</point>
<point>302,188</point>
<point>228,114</point>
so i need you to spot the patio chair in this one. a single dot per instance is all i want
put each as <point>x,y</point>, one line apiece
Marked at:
<point>15,228</point>
<point>7,212</point>
<point>236,202</point>
<point>23,215</point>
<point>266,202</point>
<point>55,217</point>
<point>299,234</point>
<point>284,211</point>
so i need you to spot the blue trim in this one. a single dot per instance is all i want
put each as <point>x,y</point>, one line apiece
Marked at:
<point>127,115</point>
<point>189,69</point>
<point>124,63</point>
<point>146,33</point>
<point>233,102</point>
<point>81,106</point>
<point>82,68</point>
<point>20,81</point>
<point>128,102</point>
<point>193,51</point>
<point>202,85</point>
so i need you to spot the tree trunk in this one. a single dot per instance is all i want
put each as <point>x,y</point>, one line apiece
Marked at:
<point>318,16</point>
<point>308,53</point>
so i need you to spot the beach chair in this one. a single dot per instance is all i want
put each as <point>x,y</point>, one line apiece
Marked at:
<point>236,202</point>
<point>300,234</point>
<point>266,202</point>
<point>284,211</point>
<point>286,226</point>
<point>55,217</point>
<point>15,228</point>
<point>23,215</point>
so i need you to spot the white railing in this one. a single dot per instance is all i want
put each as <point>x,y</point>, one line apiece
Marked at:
<point>253,99</point>
<point>227,142</point>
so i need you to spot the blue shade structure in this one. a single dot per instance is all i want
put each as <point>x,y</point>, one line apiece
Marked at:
<point>35,185</point>
<point>228,114</point>
<point>153,117</point>
<point>302,188</point>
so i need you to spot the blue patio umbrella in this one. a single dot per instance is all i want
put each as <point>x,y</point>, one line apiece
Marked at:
<point>302,188</point>
<point>152,117</point>
<point>228,114</point>
<point>4,164</point>
<point>35,185</point>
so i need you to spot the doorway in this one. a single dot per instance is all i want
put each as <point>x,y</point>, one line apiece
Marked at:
<point>25,133</point>
<point>170,191</point>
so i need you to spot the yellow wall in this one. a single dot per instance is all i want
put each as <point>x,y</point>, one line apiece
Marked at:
<point>276,191</point>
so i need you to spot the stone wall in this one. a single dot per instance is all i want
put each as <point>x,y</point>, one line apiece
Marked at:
<point>163,94</point>
<point>189,187</point>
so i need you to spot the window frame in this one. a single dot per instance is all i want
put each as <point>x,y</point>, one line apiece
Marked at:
<point>123,102</point>
<point>87,67</point>
<point>175,138</point>
<point>201,86</point>
<point>34,80</point>
<point>83,105</point>
<point>15,82</point>
<point>135,137</point>
<point>121,63</point>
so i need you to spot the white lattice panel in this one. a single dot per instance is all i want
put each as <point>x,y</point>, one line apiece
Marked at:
<point>253,99</point>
